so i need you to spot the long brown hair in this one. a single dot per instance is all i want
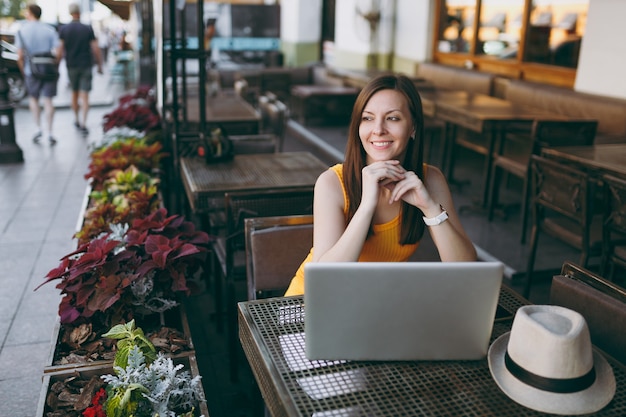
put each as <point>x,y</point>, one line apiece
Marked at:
<point>412,227</point>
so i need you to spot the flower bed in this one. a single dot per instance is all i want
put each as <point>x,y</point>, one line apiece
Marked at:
<point>133,262</point>
<point>78,345</point>
<point>70,392</point>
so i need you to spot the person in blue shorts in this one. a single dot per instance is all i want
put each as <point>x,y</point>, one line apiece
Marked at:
<point>36,37</point>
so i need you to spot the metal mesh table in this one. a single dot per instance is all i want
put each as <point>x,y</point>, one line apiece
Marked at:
<point>272,336</point>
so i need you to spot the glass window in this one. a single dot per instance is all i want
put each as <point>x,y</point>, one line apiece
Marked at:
<point>514,32</point>
<point>555,32</point>
<point>500,28</point>
<point>456,30</point>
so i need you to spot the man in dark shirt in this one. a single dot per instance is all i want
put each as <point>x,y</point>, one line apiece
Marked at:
<point>79,44</point>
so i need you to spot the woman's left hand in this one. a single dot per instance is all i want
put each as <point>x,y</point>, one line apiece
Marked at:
<point>412,190</point>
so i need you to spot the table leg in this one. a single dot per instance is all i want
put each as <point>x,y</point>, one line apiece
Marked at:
<point>494,136</point>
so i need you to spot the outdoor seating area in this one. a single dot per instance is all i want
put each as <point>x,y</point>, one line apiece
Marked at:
<point>197,195</point>
<point>245,269</point>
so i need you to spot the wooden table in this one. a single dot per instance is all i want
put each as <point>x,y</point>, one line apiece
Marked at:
<point>488,116</point>
<point>601,159</point>
<point>272,335</point>
<point>205,182</point>
<point>230,112</point>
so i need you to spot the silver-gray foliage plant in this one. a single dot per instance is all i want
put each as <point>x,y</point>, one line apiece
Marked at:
<point>161,383</point>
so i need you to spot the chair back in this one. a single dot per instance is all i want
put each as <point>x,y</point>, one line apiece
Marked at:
<point>614,225</point>
<point>552,133</point>
<point>251,144</point>
<point>562,200</point>
<point>562,189</point>
<point>275,248</point>
<point>240,206</point>
<point>602,304</point>
<point>278,114</point>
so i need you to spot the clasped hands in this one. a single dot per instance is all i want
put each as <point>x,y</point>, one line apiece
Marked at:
<point>404,185</point>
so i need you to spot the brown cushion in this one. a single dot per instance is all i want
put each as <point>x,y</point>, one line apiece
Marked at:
<point>605,315</point>
<point>455,78</point>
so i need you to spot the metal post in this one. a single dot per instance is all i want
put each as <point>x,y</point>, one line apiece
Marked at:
<point>10,152</point>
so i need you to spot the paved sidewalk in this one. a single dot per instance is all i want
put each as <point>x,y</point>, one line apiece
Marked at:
<point>40,201</point>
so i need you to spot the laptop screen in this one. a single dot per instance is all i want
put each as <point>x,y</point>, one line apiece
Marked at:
<point>400,311</point>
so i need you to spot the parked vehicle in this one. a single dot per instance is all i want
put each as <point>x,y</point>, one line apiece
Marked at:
<point>15,79</point>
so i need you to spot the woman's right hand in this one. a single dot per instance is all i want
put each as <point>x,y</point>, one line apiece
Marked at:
<point>376,176</point>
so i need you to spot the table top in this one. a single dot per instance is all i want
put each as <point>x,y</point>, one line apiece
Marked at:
<point>473,111</point>
<point>248,172</point>
<point>223,108</point>
<point>610,159</point>
<point>272,335</point>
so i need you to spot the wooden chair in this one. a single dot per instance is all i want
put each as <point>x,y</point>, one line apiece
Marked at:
<point>275,248</point>
<point>274,116</point>
<point>251,144</point>
<point>513,158</point>
<point>229,249</point>
<point>601,302</point>
<point>614,226</point>
<point>562,201</point>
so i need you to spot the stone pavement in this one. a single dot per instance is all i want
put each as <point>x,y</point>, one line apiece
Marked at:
<point>40,202</point>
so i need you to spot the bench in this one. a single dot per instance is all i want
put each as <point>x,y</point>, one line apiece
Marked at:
<point>609,112</point>
<point>455,78</point>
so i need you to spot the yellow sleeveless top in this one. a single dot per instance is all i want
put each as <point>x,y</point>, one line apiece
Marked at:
<point>382,246</point>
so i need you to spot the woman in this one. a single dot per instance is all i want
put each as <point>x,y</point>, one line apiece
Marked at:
<point>375,206</point>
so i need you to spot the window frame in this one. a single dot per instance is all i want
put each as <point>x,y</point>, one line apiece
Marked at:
<point>511,68</point>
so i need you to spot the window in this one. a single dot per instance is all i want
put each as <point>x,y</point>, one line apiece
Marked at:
<point>533,39</point>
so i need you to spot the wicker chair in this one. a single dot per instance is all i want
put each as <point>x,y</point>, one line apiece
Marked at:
<point>614,226</point>
<point>229,250</point>
<point>562,201</point>
<point>514,157</point>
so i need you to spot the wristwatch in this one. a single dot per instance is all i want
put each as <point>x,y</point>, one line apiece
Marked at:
<point>438,219</point>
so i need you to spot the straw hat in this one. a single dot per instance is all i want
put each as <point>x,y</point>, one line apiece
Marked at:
<point>546,363</point>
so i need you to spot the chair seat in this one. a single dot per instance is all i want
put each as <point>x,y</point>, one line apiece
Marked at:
<point>514,164</point>
<point>568,231</point>
<point>474,142</point>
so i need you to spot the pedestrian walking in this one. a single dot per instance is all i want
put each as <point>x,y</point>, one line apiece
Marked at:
<point>80,48</point>
<point>33,38</point>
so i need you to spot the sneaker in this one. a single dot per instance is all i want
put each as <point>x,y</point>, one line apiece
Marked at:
<point>52,140</point>
<point>77,125</point>
<point>84,130</point>
<point>37,137</point>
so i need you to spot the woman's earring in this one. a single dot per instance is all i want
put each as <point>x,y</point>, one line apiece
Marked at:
<point>412,137</point>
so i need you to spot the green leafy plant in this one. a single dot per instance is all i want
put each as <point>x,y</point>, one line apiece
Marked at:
<point>128,336</point>
<point>145,385</point>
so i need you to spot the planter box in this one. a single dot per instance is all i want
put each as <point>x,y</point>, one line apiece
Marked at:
<point>175,318</point>
<point>84,374</point>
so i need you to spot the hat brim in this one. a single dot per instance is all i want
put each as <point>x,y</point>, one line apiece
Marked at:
<point>592,399</point>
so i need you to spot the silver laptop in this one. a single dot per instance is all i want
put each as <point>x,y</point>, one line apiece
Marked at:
<point>400,311</point>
